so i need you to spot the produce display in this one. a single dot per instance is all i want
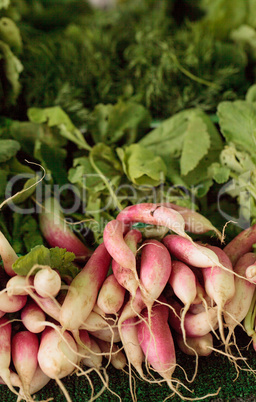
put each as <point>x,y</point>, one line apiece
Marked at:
<point>127,200</point>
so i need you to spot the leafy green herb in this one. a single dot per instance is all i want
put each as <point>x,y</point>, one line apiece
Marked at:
<point>56,258</point>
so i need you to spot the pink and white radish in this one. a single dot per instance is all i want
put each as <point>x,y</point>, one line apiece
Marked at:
<point>154,214</point>
<point>126,277</point>
<point>57,358</point>
<point>241,244</point>
<point>113,353</point>
<point>220,284</point>
<point>83,290</point>
<point>11,304</point>
<point>155,270</point>
<point>33,317</point>
<point>56,231</point>
<point>111,295</point>
<point>16,286</point>
<point>47,282</point>
<point>24,356</point>
<point>8,255</point>
<point>5,353</point>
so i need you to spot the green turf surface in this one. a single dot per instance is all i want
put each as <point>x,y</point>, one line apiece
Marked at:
<point>214,371</point>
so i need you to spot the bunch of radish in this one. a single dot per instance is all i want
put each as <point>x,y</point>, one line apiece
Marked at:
<point>135,300</point>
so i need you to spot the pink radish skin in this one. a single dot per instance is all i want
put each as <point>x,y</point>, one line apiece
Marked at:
<point>16,286</point>
<point>200,345</point>
<point>220,284</point>
<point>33,317</point>
<point>126,276</point>
<point>56,231</point>
<point>157,343</point>
<point>194,221</point>
<point>111,295</point>
<point>11,304</point>
<point>49,305</point>
<point>47,282</point>
<point>8,255</point>
<point>57,359</point>
<point>155,270</point>
<point>132,348</point>
<point>113,354</point>
<point>190,253</point>
<point>194,324</point>
<point>153,214</point>
<point>237,308</point>
<point>24,356</point>
<point>83,291</point>
<point>117,247</point>
<point>241,244</point>
<point>5,353</point>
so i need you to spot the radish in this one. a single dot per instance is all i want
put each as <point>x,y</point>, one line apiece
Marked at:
<point>183,283</point>
<point>154,214</point>
<point>241,244</point>
<point>57,358</point>
<point>83,291</point>
<point>17,285</point>
<point>250,273</point>
<point>157,343</point>
<point>94,321</point>
<point>8,255</point>
<point>47,282</point>
<point>113,353</point>
<point>56,231</point>
<point>48,304</point>
<point>94,356</point>
<point>111,295</point>
<point>38,382</point>
<point>110,334</point>
<point>194,324</point>
<point>11,304</point>
<point>199,345</point>
<point>33,317</point>
<point>219,284</point>
<point>155,270</point>
<point>117,247</point>
<point>125,276</point>
<point>194,221</point>
<point>24,356</point>
<point>5,353</point>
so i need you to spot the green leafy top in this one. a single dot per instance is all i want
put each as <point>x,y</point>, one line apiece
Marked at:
<point>56,258</point>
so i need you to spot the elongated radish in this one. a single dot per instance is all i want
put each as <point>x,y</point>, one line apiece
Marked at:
<point>183,282</point>
<point>237,308</point>
<point>190,253</point>
<point>56,358</point>
<point>17,285</point>
<point>11,304</point>
<point>5,353</point>
<point>94,321</point>
<point>157,343</point>
<point>56,231</point>
<point>194,324</point>
<point>111,295</point>
<point>130,341</point>
<point>113,353</point>
<point>200,345</point>
<point>7,254</point>
<point>33,317</point>
<point>194,221</point>
<point>155,270</point>
<point>125,276</point>
<point>117,247</point>
<point>38,382</point>
<point>110,334</point>
<point>241,244</point>
<point>24,356</point>
<point>154,214</point>
<point>219,284</point>
<point>83,290</point>
<point>48,304</point>
<point>47,282</point>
